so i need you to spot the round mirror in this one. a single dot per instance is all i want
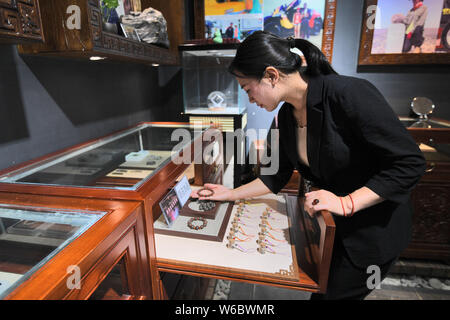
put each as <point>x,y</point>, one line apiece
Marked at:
<point>422,107</point>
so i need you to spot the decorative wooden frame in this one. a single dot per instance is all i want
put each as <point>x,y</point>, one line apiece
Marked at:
<point>365,49</point>
<point>328,25</point>
<point>20,21</point>
<point>114,44</point>
<point>328,29</point>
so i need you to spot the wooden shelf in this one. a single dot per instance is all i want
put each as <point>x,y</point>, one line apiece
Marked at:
<point>20,21</point>
<point>91,40</point>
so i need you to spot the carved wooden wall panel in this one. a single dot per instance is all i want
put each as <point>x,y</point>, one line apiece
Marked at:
<point>20,21</point>
<point>90,39</point>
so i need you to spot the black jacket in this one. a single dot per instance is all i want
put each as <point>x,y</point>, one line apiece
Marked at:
<point>354,139</point>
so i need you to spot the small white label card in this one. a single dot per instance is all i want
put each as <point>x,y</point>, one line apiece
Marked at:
<point>183,190</point>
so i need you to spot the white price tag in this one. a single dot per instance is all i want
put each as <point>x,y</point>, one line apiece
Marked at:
<point>183,190</point>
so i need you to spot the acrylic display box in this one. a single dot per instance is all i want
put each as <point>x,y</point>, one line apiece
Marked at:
<point>208,87</point>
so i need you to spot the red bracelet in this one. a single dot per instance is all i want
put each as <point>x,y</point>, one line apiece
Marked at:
<point>342,204</point>
<point>353,205</point>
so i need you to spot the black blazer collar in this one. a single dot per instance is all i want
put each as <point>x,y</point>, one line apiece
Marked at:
<point>314,116</point>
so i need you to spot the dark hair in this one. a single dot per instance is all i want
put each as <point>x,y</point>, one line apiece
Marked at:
<point>263,49</point>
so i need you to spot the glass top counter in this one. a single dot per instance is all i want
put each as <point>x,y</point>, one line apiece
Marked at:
<point>30,237</point>
<point>433,149</point>
<point>120,161</point>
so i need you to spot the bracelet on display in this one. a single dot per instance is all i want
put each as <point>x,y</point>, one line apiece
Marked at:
<point>209,191</point>
<point>206,205</point>
<point>197,227</point>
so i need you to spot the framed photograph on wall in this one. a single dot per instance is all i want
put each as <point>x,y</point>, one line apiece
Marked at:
<point>313,20</point>
<point>126,6</point>
<point>405,32</point>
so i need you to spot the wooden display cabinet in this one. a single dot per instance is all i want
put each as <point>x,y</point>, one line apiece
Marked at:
<point>91,40</point>
<point>101,172</point>
<point>20,21</point>
<point>110,254</point>
<point>431,196</point>
<point>99,169</point>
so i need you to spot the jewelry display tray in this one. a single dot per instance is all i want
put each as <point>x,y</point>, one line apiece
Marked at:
<point>191,251</point>
<point>188,211</point>
<point>214,230</point>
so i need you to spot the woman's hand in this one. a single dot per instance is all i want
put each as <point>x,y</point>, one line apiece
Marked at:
<point>221,193</point>
<point>324,200</point>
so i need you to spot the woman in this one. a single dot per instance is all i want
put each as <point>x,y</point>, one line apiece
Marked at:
<point>341,134</point>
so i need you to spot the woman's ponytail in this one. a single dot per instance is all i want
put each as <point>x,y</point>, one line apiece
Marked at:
<point>316,61</point>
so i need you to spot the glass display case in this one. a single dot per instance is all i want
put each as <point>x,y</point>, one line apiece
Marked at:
<point>208,87</point>
<point>141,164</point>
<point>30,237</point>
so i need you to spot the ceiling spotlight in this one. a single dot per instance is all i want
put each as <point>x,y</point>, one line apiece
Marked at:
<point>96,58</point>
